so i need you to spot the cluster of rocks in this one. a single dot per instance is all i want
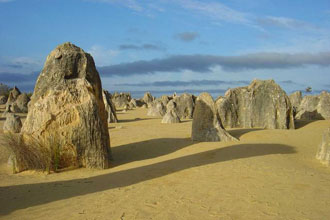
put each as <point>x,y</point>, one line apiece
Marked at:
<point>173,108</point>
<point>16,102</point>
<point>70,105</point>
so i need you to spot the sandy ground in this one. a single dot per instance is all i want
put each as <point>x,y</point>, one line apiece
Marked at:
<point>159,173</point>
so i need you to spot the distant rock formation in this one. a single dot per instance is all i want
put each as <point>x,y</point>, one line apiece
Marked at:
<point>207,124</point>
<point>17,102</point>
<point>21,104</point>
<point>323,152</point>
<point>12,124</point>
<point>147,98</point>
<point>261,104</point>
<point>120,100</point>
<point>185,104</point>
<point>171,116</point>
<point>156,109</point>
<point>67,105</point>
<point>109,107</point>
<point>314,107</point>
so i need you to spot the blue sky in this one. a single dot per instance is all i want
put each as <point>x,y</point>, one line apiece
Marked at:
<point>172,45</point>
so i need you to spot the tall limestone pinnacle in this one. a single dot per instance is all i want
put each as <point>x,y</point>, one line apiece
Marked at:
<point>67,104</point>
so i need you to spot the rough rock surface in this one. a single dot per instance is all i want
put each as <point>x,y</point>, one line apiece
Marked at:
<point>13,95</point>
<point>67,104</point>
<point>12,124</point>
<point>184,105</point>
<point>3,100</point>
<point>315,107</point>
<point>120,100</point>
<point>147,98</point>
<point>156,109</point>
<point>323,153</point>
<point>261,104</point>
<point>171,116</point>
<point>295,99</point>
<point>21,104</point>
<point>109,107</point>
<point>206,125</point>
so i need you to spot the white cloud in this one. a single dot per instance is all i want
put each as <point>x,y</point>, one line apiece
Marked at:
<point>19,64</point>
<point>101,55</point>
<point>216,11</point>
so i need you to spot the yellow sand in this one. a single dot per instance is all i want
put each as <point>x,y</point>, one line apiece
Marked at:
<point>159,173</point>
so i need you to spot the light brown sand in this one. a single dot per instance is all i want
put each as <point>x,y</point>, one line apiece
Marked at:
<point>159,173</point>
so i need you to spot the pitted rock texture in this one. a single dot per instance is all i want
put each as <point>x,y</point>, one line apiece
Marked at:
<point>67,104</point>
<point>207,124</point>
<point>261,104</point>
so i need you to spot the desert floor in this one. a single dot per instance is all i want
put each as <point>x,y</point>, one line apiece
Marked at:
<point>159,173</point>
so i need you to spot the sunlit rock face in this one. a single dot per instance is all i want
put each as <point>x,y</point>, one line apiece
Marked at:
<point>67,104</point>
<point>207,124</point>
<point>261,104</point>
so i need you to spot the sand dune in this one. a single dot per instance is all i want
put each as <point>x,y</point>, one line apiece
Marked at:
<point>159,173</point>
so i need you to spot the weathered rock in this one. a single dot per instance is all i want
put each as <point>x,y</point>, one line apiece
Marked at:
<point>171,116</point>
<point>184,105</point>
<point>261,104</point>
<point>147,98</point>
<point>164,99</point>
<point>13,95</point>
<point>156,109</point>
<point>120,100</point>
<point>3,100</point>
<point>132,104</point>
<point>12,124</point>
<point>315,107</point>
<point>109,107</point>
<point>21,104</point>
<point>323,152</point>
<point>295,99</point>
<point>67,104</point>
<point>206,125</point>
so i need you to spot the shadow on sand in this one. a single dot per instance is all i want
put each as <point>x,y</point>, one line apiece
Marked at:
<point>237,133</point>
<point>300,123</point>
<point>23,196</point>
<point>148,149</point>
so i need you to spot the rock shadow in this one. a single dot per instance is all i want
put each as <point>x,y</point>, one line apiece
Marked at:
<point>300,123</point>
<point>237,133</point>
<point>28,195</point>
<point>148,149</point>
